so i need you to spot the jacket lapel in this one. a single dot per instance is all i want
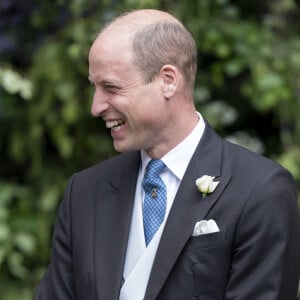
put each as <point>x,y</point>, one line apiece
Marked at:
<point>188,208</point>
<point>113,207</point>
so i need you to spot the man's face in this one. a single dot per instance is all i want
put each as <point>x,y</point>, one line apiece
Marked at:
<point>135,112</point>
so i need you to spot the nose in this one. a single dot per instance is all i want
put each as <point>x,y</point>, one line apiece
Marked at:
<point>99,104</point>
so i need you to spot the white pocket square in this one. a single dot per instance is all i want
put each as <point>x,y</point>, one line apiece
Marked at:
<point>204,227</point>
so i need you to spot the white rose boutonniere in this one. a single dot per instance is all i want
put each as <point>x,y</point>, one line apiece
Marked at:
<point>206,184</point>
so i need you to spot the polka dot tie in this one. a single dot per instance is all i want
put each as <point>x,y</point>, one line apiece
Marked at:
<point>154,207</point>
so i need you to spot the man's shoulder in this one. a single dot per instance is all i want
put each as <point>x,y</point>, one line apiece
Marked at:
<point>238,156</point>
<point>248,159</point>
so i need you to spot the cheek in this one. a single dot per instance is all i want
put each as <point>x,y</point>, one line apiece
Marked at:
<point>151,102</point>
<point>147,111</point>
<point>150,120</point>
<point>145,108</point>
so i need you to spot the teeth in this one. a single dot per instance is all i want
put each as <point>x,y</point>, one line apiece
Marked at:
<point>116,128</point>
<point>115,123</point>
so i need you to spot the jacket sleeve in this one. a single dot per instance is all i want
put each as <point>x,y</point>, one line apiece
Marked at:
<point>57,282</point>
<point>265,260</point>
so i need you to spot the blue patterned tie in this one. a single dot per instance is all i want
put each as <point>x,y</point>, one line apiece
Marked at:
<point>155,198</point>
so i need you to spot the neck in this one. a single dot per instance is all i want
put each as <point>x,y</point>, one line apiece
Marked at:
<point>179,129</point>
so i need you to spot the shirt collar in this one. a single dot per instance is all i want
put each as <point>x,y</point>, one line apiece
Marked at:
<point>179,157</point>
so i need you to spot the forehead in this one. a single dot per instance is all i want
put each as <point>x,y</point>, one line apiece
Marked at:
<point>111,54</point>
<point>111,45</point>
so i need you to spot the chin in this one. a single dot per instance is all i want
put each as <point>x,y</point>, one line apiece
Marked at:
<point>122,148</point>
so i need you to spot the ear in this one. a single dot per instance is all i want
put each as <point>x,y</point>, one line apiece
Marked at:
<point>170,79</point>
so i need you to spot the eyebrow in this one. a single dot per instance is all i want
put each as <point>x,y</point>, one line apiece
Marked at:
<point>104,82</point>
<point>108,80</point>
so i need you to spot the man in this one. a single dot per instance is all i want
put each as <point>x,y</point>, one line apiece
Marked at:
<point>236,237</point>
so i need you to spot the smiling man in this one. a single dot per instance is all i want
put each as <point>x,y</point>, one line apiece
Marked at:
<point>137,227</point>
<point>144,108</point>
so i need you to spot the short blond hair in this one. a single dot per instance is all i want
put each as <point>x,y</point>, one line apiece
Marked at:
<point>161,43</point>
<point>158,38</point>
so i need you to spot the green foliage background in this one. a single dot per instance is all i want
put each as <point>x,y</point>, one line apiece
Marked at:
<point>248,87</point>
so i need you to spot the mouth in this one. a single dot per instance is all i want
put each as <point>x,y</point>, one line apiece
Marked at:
<point>115,125</point>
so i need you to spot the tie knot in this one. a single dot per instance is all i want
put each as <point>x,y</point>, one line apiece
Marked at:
<point>154,168</point>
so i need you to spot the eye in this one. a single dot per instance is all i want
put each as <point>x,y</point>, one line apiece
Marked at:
<point>111,88</point>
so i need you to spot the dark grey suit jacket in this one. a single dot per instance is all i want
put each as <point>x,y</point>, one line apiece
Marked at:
<point>255,256</point>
